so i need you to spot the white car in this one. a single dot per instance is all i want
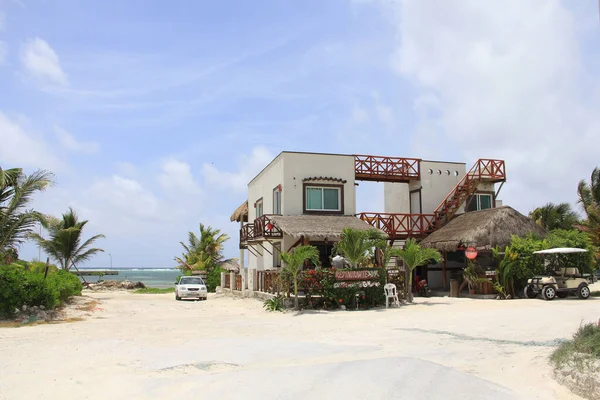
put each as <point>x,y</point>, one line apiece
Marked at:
<point>190,287</point>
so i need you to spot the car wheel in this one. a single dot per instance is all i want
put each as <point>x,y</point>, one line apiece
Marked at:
<point>177,297</point>
<point>548,292</point>
<point>583,292</point>
<point>562,295</point>
<point>529,293</point>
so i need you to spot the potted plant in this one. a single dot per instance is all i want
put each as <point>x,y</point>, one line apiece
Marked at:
<point>471,276</point>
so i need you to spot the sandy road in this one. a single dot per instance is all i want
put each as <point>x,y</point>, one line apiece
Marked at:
<point>150,346</point>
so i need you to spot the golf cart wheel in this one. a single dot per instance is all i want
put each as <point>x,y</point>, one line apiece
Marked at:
<point>529,292</point>
<point>583,291</point>
<point>548,292</point>
<point>562,295</point>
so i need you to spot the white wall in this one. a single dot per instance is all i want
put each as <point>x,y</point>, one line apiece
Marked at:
<point>435,187</point>
<point>396,197</point>
<point>298,166</point>
<point>263,185</point>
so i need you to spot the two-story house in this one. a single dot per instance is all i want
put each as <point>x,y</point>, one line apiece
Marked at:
<point>308,198</point>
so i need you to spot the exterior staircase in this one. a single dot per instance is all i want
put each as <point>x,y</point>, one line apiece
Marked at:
<point>403,226</point>
<point>484,170</point>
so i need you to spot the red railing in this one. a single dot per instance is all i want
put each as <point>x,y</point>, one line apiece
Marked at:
<point>400,226</point>
<point>246,232</point>
<point>265,228</point>
<point>386,169</point>
<point>484,170</point>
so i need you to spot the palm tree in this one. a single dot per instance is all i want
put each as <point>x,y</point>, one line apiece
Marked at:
<point>358,246</point>
<point>204,252</point>
<point>16,222</point>
<point>64,243</point>
<point>414,256</point>
<point>293,262</point>
<point>589,198</point>
<point>555,216</point>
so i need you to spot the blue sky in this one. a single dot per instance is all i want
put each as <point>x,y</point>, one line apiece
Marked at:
<point>154,115</point>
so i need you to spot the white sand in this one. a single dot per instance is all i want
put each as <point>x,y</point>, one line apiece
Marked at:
<point>150,346</point>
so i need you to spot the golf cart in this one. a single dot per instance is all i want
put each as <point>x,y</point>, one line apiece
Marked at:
<point>561,279</point>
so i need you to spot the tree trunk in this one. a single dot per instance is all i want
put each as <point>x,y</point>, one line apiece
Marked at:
<point>409,286</point>
<point>296,294</point>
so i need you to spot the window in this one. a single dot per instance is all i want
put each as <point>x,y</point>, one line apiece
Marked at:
<point>277,200</point>
<point>479,202</point>
<point>323,198</point>
<point>259,208</point>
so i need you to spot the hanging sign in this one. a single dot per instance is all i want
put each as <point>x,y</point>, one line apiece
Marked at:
<point>471,253</point>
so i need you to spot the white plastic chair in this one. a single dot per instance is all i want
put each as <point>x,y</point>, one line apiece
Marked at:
<point>391,293</point>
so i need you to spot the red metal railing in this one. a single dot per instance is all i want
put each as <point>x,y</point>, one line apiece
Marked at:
<point>265,228</point>
<point>388,169</point>
<point>400,226</point>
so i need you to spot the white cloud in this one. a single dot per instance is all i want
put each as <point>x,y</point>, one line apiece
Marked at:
<point>249,167</point>
<point>42,62</point>
<point>23,149</point>
<point>126,196</point>
<point>502,79</point>
<point>69,142</point>
<point>177,175</point>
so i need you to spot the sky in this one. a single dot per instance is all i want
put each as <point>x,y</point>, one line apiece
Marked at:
<point>155,115</point>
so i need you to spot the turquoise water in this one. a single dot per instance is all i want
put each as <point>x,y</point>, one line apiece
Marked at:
<point>151,277</point>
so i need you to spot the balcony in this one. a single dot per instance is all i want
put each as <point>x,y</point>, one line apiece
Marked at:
<point>261,229</point>
<point>386,169</point>
<point>401,226</point>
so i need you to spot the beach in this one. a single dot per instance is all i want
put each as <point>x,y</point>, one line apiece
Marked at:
<point>133,346</point>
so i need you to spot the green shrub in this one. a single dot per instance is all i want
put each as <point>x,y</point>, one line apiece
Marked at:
<point>19,287</point>
<point>213,279</point>
<point>274,304</point>
<point>321,282</point>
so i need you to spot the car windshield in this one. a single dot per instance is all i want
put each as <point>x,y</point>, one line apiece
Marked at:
<point>191,281</point>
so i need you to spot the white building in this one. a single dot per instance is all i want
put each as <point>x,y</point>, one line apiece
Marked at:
<point>308,198</point>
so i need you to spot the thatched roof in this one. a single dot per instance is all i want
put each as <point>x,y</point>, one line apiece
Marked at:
<point>482,229</point>
<point>231,265</point>
<point>240,213</point>
<point>318,227</point>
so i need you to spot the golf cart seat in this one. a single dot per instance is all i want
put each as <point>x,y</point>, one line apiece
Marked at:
<point>571,271</point>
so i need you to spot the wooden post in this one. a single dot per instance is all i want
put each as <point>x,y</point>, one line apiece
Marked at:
<point>444,279</point>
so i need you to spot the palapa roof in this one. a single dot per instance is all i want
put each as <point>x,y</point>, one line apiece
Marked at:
<point>231,265</point>
<point>240,213</point>
<point>482,229</point>
<point>318,227</point>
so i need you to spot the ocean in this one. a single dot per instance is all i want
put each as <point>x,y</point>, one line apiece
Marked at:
<point>151,277</point>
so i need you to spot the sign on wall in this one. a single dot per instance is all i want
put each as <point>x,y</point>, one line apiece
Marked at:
<point>359,279</point>
<point>471,253</point>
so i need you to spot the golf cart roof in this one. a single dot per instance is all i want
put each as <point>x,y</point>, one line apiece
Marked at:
<point>561,250</point>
